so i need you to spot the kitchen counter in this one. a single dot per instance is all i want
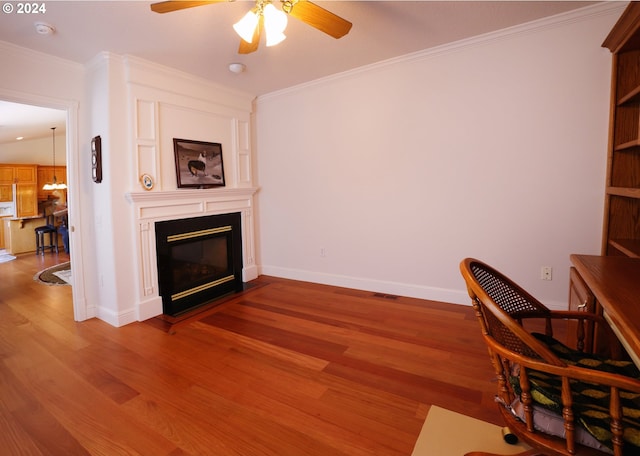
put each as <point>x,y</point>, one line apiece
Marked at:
<point>19,234</point>
<point>2,219</point>
<point>23,220</point>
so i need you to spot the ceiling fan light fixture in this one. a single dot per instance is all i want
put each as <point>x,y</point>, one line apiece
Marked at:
<point>275,38</point>
<point>246,26</point>
<point>275,22</point>
<point>266,17</point>
<point>275,18</point>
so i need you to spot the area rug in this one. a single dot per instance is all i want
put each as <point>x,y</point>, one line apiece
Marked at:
<point>446,433</point>
<point>4,257</point>
<point>59,274</point>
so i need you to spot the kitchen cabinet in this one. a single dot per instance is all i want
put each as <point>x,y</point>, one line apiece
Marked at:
<point>2,233</point>
<point>45,174</point>
<point>26,191</point>
<point>26,200</point>
<point>6,192</point>
<point>25,174</point>
<point>7,174</point>
<point>28,180</point>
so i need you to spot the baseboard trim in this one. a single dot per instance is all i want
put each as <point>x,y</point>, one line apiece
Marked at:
<point>377,286</point>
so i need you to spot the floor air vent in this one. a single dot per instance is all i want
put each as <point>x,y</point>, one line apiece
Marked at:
<point>385,296</point>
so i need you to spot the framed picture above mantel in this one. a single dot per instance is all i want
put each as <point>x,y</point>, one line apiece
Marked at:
<point>198,164</point>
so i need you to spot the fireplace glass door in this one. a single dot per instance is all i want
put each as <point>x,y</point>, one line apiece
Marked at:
<point>199,260</point>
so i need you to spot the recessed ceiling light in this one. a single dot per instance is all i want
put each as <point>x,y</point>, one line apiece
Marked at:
<point>19,138</point>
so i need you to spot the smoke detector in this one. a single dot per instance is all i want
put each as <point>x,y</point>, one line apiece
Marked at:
<point>237,68</point>
<point>44,29</point>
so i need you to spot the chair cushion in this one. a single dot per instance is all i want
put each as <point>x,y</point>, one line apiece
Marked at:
<point>590,401</point>
<point>550,422</point>
<point>588,360</point>
<point>45,229</point>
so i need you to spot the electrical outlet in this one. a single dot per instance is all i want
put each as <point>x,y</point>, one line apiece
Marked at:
<point>546,273</point>
<point>323,252</point>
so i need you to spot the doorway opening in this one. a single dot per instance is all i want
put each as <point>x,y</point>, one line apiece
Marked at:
<point>31,118</point>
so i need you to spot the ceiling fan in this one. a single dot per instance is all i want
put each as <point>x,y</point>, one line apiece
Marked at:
<point>265,16</point>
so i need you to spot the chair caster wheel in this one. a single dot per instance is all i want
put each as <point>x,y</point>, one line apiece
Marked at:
<point>508,436</point>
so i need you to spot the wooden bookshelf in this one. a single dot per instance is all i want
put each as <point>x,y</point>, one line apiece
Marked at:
<point>621,234</point>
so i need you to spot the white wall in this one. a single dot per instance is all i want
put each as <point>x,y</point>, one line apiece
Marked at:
<point>41,80</point>
<point>107,236</point>
<point>493,148</point>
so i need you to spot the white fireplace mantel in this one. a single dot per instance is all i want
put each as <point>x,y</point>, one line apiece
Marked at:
<point>154,206</point>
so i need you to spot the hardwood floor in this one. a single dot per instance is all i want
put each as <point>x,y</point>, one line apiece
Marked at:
<point>286,368</point>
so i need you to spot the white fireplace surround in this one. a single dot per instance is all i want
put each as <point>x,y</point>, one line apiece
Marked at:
<point>151,207</point>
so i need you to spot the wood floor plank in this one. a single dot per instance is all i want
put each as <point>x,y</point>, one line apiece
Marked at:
<point>72,402</point>
<point>14,439</point>
<point>249,344</point>
<point>284,368</point>
<point>333,332</point>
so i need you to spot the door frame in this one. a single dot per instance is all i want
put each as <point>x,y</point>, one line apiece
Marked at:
<point>80,312</point>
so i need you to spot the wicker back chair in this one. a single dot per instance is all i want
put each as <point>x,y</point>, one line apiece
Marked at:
<point>560,400</point>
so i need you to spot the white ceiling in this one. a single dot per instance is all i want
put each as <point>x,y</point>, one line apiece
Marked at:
<point>29,122</point>
<point>201,40</point>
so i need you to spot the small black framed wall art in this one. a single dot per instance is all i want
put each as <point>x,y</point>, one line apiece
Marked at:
<point>198,164</point>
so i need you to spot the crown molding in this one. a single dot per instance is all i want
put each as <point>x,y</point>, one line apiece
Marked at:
<point>558,20</point>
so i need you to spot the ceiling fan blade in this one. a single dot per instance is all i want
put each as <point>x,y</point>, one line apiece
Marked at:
<point>175,5</point>
<point>248,48</point>
<point>320,18</point>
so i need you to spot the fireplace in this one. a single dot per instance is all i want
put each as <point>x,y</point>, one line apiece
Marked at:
<point>199,259</point>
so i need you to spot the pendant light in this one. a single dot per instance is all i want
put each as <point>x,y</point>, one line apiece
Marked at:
<point>54,185</point>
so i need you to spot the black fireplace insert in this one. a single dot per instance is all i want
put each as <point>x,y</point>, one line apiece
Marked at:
<point>199,260</point>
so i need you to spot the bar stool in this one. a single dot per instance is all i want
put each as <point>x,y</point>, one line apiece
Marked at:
<point>41,231</point>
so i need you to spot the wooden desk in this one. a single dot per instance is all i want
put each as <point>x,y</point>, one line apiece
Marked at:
<point>615,282</point>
